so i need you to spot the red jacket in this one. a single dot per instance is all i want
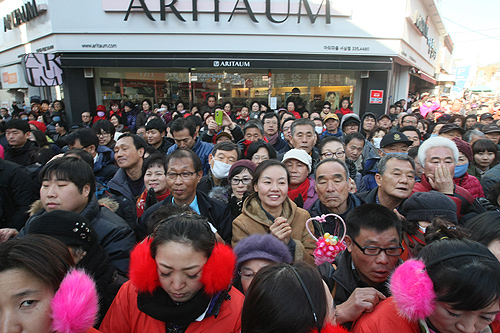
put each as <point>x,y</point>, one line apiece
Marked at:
<point>461,197</point>
<point>471,184</point>
<point>385,319</point>
<point>123,316</point>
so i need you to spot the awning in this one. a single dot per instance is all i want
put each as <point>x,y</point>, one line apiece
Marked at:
<point>227,61</point>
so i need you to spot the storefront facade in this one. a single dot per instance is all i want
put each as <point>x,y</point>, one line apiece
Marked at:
<point>239,50</point>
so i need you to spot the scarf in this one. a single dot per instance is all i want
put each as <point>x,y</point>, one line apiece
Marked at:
<point>345,111</point>
<point>141,202</point>
<point>161,307</point>
<point>301,189</point>
<point>273,138</point>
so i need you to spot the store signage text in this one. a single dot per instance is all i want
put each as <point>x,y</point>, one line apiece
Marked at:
<point>42,69</point>
<point>240,6</point>
<point>422,26</point>
<point>22,15</point>
<point>231,63</point>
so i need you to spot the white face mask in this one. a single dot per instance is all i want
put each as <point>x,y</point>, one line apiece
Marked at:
<point>220,170</point>
<point>318,129</point>
<point>376,142</point>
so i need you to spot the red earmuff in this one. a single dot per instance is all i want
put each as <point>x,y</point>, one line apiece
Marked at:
<point>142,271</point>
<point>216,276</point>
<point>413,290</point>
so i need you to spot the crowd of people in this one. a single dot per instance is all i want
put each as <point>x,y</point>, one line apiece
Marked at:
<point>221,219</point>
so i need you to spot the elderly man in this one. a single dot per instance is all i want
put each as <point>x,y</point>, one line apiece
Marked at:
<point>358,281</point>
<point>395,179</point>
<point>301,188</point>
<point>392,143</point>
<point>438,157</point>
<point>304,137</point>
<point>331,122</point>
<point>184,172</point>
<point>332,186</point>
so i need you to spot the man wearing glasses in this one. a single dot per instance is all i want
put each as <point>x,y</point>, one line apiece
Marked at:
<point>358,277</point>
<point>184,172</point>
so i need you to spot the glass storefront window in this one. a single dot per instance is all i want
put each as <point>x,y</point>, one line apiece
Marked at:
<point>238,86</point>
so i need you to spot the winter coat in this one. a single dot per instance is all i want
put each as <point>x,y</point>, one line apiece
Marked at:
<point>312,196</point>
<point>16,195</point>
<point>125,317</point>
<point>119,187</point>
<point>471,184</point>
<point>141,119</point>
<point>461,197</point>
<point>318,209</point>
<point>21,155</point>
<point>253,220</point>
<point>371,197</point>
<point>104,167</point>
<point>490,178</point>
<point>131,119</point>
<point>202,149</point>
<point>326,133</point>
<point>215,211</point>
<point>113,233</point>
<point>348,116</point>
<point>385,318</point>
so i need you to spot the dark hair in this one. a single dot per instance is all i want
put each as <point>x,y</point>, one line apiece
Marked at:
<point>441,228</point>
<point>156,124</point>
<point>277,300</point>
<point>413,152</point>
<point>44,101</point>
<point>224,104</point>
<point>210,95</point>
<point>493,194</point>
<point>355,135</point>
<point>327,103</point>
<point>138,141</point>
<point>382,164</point>
<point>155,159</point>
<point>182,123</point>
<point>40,138</point>
<point>45,258</point>
<point>71,169</point>
<point>372,217</point>
<point>263,166</point>
<point>188,229</point>
<point>42,156</point>
<point>104,125</point>
<point>237,170</point>
<point>408,115</point>
<point>485,227</point>
<point>254,146</point>
<point>60,102</point>
<point>129,104</point>
<point>185,153</point>
<point>455,117</point>
<point>164,212</point>
<point>86,136</point>
<point>177,104</point>
<point>411,128</point>
<point>18,124</point>
<point>345,99</point>
<point>114,103</point>
<point>149,103</point>
<point>227,146</point>
<point>372,133</point>
<point>326,140</point>
<point>83,154</point>
<point>269,115</point>
<point>483,145</point>
<point>464,273</point>
<point>253,102</point>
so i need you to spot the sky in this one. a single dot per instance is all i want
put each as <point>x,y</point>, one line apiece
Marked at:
<point>474,27</point>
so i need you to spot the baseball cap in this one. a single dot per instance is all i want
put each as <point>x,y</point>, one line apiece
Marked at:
<point>331,116</point>
<point>451,127</point>
<point>394,137</point>
<point>300,155</point>
<point>491,128</point>
<point>486,115</point>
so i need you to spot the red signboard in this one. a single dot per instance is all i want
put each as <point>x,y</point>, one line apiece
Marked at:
<point>376,96</point>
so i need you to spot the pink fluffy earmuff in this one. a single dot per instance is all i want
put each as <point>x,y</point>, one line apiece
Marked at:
<point>216,276</point>
<point>415,300</point>
<point>75,304</point>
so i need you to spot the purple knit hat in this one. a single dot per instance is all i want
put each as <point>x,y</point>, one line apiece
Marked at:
<point>243,163</point>
<point>260,246</point>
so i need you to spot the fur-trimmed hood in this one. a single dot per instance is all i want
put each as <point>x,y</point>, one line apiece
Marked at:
<point>106,202</point>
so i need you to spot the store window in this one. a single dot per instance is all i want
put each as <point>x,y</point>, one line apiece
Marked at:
<point>239,87</point>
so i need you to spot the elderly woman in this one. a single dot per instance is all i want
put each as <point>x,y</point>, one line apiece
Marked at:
<point>301,188</point>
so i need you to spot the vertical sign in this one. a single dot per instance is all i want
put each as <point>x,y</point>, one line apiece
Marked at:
<point>376,96</point>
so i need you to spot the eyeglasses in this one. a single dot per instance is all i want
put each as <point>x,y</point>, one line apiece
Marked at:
<point>329,154</point>
<point>103,134</point>
<point>245,180</point>
<point>375,251</point>
<point>246,274</point>
<point>184,175</point>
<point>326,107</point>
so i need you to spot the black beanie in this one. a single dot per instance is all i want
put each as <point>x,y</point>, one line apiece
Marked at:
<point>425,206</point>
<point>70,228</point>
